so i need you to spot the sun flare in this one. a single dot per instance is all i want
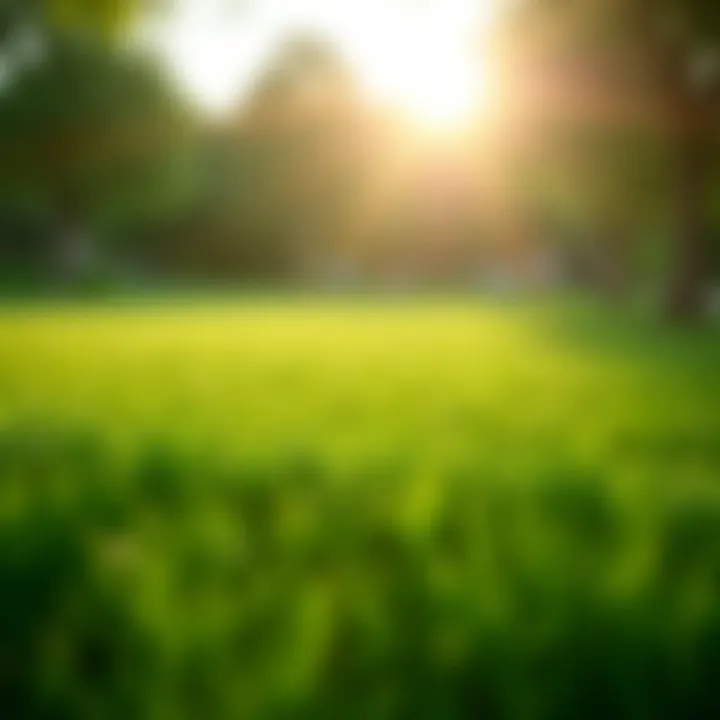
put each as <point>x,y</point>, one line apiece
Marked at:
<point>428,59</point>
<point>438,86</point>
<point>430,65</point>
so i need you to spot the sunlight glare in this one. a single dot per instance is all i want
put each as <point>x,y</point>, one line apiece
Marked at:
<point>431,65</point>
<point>427,59</point>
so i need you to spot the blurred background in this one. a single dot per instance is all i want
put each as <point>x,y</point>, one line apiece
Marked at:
<point>359,359</point>
<point>410,143</point>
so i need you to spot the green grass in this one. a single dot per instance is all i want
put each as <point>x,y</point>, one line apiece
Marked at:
<point>357,509</point>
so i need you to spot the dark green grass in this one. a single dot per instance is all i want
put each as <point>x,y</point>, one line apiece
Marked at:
<point>361,509</point>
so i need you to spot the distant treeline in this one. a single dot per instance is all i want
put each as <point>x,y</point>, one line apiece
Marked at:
<point>108,172</point>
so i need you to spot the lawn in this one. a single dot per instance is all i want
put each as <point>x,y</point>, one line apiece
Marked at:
<point>359,508</point>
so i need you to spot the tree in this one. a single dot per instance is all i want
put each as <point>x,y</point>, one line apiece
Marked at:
<point>82,132</point>
<point>100,18</point>
<point>296,153</point>
<point>649,65</point>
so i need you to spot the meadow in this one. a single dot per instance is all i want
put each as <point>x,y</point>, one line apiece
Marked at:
<point>360,508</point>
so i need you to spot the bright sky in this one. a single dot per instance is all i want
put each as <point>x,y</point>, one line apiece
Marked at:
<point>415,53</point>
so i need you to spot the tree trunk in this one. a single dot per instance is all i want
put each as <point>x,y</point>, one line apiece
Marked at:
<point>690,251</point>
<point>685,103</point>
<point>616,271</point>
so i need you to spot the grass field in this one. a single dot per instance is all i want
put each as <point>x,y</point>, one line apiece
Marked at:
<point>357,509</point>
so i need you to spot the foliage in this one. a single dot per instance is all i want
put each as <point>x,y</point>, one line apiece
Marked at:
<point>645,66</point>
<point>601,128</point>
<point>278,179</point>
<point>92,136</point>
<point>108,19</point>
